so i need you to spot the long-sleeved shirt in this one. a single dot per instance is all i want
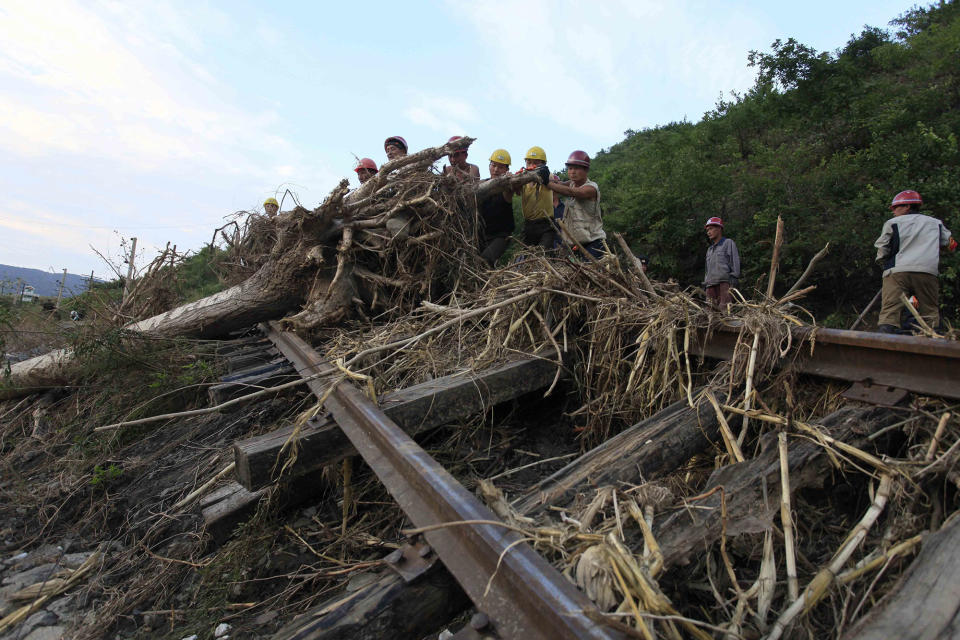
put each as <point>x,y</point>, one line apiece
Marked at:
<point>723,262</point>
<point>911,242</point>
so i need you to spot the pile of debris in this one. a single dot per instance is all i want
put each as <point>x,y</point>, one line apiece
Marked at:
<point>685,497</point>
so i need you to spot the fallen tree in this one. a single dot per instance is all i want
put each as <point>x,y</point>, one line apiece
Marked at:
<point>347,256</point>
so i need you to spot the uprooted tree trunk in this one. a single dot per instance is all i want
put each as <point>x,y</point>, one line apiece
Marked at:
<point>383,246</point>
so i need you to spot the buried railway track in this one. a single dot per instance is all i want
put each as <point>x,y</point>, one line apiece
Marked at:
<point>516,592</point>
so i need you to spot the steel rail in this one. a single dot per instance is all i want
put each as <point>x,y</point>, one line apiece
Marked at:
<point>524,597</point>
<point>922,365</point>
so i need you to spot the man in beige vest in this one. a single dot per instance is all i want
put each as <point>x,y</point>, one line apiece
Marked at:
<point>581,214</point>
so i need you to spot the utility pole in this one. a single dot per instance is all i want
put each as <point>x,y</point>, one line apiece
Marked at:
<point>63,281</point>
<point>127,282</point>
<point>90,284</point>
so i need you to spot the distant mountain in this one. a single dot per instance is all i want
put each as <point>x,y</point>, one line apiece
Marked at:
<point>43,282</point>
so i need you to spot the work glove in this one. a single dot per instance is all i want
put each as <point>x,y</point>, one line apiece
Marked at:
<point>734,282</point>
<point>952,245</point>
<point>543,173</point>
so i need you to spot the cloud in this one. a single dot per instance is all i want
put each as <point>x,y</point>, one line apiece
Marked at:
<point>600,68</point>
<point>85,79</point>
<point>446,115</point>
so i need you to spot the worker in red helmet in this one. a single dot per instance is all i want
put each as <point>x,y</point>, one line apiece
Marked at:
<point>366,169</point>
<point>395,147</point>
<point>909,251</point>
<point>459,168</point>
<point>723,265</point>
<point>581,213</point>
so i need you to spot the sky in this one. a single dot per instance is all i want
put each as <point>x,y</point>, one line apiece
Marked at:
<point>160,120</point>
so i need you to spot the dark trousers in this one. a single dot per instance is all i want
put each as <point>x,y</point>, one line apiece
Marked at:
<point>539,232</point>
<point>718,295</point>
<point>494,247</point>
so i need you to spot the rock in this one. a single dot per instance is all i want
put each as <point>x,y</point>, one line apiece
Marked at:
<point>32,576</point>
<point>74,560</point>
<point>193,637</point>
<point>41,618</point>
<point>64,607</point>
<point>46,633</point>
<point>222,630</point>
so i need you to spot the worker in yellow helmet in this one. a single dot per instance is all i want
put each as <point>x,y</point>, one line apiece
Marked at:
<point>496,213</point>
<point>271,207</point>
<point>536,202</point>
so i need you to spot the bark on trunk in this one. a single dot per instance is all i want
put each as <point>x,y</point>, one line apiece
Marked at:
<point>415,409</point>
<point>687,532</point>
<point>647,450</point>
<point>925,603</point>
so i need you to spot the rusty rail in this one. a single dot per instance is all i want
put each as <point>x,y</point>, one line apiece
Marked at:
<point>525,598</point>
<point>922,365</point>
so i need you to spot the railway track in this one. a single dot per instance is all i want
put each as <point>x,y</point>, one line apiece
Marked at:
<point>518,594</point>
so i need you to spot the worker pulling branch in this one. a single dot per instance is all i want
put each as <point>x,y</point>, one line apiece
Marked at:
<point>581,214</point>
<point>496,213</point>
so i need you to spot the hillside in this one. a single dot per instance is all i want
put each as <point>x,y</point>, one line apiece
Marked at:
<point>823,139</point>
<point>44,283</point>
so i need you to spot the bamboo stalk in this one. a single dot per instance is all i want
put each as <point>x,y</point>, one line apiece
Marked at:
<point>824,440</point>
<point>786,519</point>
<point>733,448</point>
<point>916,316</point>
<point>193,495</point>
<point>748,389</point>
<point>766,581</point>
<point>935,442</point>
<point>818,587</point>
<point>775,260</point>
<point>213,409</point>
<point>806,272</point>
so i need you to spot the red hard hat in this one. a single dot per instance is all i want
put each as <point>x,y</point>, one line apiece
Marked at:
<point>366,163</point>
<point>579,159</point>
<point>715,220</point>
<point>906,197</point>
<point>455,138</point>
<point>395,140</point>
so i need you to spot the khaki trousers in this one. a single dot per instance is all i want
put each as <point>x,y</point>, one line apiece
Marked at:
<point>910,283</point>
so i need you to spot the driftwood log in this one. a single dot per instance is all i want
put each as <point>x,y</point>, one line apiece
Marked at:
<point>652,448</point>
<point>415,409</point>
<point>688,531</point>
<point>647,450</point>
<point>925,603</point>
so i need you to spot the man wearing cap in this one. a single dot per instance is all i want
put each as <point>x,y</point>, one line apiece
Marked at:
<point>909,251</point>
<point>581,213</point>
<point>723,265</point>
<point>459,168</point>
<point>271,207</point>
<point>366,169</point>
<point>536,202</point>
<point>395,147</point>
<point>496,213</point>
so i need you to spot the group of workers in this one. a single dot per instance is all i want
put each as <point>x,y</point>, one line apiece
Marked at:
<point>568,211</point>
<point>551,208</point>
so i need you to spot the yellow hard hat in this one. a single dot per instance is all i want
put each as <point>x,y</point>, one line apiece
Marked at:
<point>536,153</point>
<point>272,201</point>
<point>500,156</point>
